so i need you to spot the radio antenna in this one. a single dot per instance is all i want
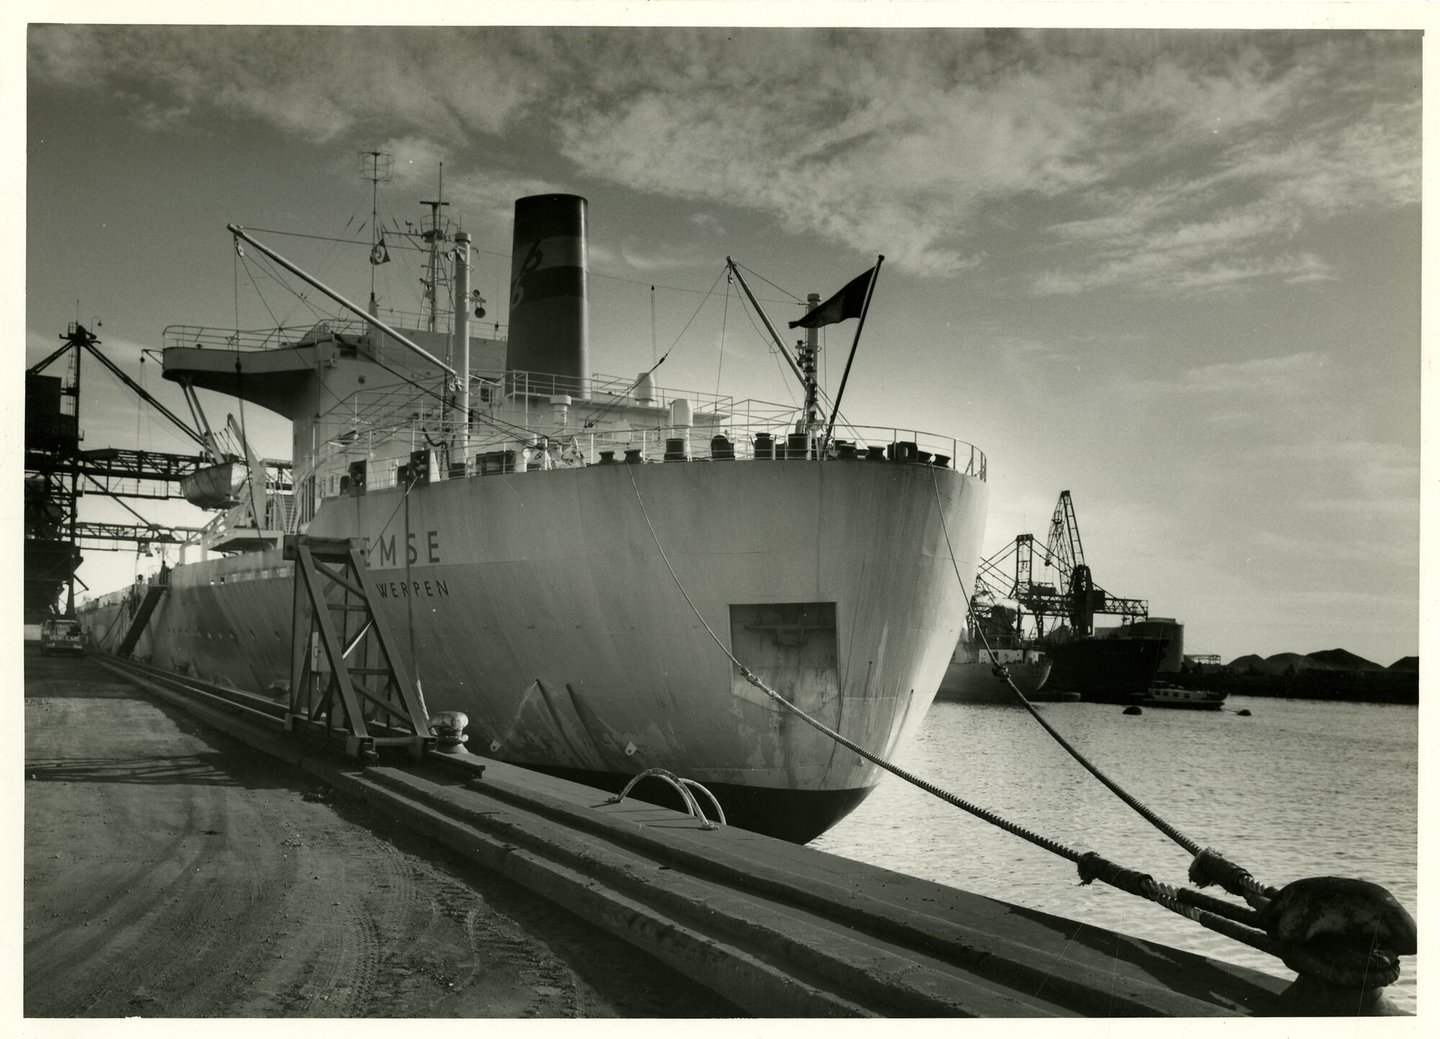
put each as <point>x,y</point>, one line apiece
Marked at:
<point>376,167</point>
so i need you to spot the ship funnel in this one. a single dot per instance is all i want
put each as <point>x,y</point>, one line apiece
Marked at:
<point>549,318</point>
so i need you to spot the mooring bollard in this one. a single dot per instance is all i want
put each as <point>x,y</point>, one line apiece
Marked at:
<point>448,728</point>
<point>1307,997</point>
<point>1344,938</point>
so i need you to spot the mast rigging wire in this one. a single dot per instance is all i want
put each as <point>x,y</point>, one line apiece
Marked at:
<point>610,405</point>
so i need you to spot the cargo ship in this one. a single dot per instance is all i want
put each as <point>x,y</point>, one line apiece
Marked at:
<point>1097,669</point>
<point>1116,669</point>
<point>970,676</point>
<point>1038,604</point>
<point>562,550</point>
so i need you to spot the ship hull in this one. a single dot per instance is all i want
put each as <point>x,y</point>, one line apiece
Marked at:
<point>1105,670</point>
<point>970,677</point>
<point>577,616</point>
<point>976,683</point>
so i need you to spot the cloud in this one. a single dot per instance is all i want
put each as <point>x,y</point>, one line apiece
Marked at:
<point>1258,152</point>
<point>1269,377</point>
<point>1157,161</point>
<point>1184,269</point>
<point>708,223</point>
<point>1375,476</point>
<point>862,139</point>
<point>319,82</point>
<point>1292,548</point>
<point>1246,409</point>
<point>1192,161</point>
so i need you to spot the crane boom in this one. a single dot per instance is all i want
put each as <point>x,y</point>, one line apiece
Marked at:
<point>1064,542</point>
<point>1073,596</point>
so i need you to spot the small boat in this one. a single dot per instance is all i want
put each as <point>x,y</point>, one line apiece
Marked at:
<point>1165,694</point>
<point>215,486</point>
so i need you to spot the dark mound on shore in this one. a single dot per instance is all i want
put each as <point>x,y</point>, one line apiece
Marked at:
<point>1281,663</point>
<point>1322,660</point>
<point>1344,660</point>
<point>1330,674</point>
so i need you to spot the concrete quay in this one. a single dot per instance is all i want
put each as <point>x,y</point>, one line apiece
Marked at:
<point>173,872</point>
<point>764,927</point>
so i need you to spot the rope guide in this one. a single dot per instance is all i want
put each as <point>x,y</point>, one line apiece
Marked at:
<point>347,679</point>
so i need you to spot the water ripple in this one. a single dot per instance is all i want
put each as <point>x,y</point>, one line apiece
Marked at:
<point>1301,788</point>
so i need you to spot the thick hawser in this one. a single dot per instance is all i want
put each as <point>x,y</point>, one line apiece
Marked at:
<point>549,581</point>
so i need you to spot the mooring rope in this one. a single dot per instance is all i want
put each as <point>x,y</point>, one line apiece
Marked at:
<point>753,679</point>
<point>1092,866</point>
<point>1207,866</point>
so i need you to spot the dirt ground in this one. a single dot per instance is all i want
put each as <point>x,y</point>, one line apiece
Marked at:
<point>173,872</point>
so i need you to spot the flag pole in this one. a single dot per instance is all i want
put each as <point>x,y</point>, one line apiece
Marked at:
<point>859,327</point>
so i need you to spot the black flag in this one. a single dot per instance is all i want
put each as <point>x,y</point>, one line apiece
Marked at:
<point>848,302</point>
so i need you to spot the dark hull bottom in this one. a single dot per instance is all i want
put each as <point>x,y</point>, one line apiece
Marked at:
<point>792,815</point>
<point>1053,696</point>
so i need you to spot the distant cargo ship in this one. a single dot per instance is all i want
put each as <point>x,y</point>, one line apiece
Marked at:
<point>1114,669</point>
<point>1038,604</point>
<point>971,678</point>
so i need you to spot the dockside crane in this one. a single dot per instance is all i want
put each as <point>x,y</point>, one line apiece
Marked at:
<point>1073,596</point>
<point>58,473</point>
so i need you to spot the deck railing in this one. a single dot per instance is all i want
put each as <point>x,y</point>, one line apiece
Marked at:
<point>258,339</point>
<point>734,441</point>
<point>284,336</point>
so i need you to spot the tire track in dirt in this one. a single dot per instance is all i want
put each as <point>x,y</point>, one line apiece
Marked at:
<point>172,872</point>
<point>106,931</point>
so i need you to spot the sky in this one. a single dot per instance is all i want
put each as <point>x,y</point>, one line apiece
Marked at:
<point>1175,271</point>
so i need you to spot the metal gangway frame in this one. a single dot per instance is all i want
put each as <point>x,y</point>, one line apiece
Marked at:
<point>347,680</point>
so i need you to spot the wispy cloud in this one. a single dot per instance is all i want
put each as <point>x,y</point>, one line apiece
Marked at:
<point>1270,378</point>
<point>1262,150</point>
<point>320,82</point>
<point>1175,161</point>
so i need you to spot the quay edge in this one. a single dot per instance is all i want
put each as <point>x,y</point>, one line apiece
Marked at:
<point>776,928</point>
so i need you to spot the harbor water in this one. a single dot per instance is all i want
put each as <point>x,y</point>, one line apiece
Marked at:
<point>1299,788</point>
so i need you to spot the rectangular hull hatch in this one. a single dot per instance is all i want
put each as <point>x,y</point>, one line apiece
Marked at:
<point>790,647</point>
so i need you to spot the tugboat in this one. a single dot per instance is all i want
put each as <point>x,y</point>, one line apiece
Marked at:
<point>1167,694</point>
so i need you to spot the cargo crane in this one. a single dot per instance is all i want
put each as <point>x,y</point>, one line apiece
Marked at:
<point>1073,596</point>
<point>58,473</point>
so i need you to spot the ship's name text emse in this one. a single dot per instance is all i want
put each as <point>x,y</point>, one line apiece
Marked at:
<point>416,543</point>
<point>421,547</point>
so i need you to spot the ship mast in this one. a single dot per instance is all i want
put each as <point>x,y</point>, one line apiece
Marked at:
<point>460,349</point>
<point>434,237</point>
<point>376,167</point>
<point>809,351</point>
